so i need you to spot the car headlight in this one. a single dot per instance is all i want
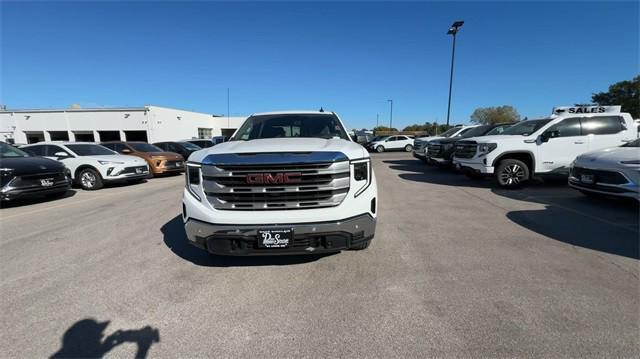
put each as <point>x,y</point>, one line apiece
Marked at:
<point>362,174</point>
<point>110,162</point>
<point>485,148</point>
<point>192,175</point>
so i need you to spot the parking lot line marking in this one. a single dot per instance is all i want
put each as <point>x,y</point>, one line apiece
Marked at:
<point>2,218</point>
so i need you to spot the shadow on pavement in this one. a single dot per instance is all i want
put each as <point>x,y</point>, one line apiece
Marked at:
<point>84,339</point>
<point>42,199</point>
<point>421,172</point>
<point>176,239</point>
<point>607,225</point>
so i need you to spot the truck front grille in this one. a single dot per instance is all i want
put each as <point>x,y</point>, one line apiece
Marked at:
<point>256,187</point>
<point>434,149</point>
<point>465,149</point>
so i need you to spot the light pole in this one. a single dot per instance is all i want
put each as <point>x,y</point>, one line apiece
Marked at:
<point>377,118</point>
<point>391,115</point>
<point>453,30</point>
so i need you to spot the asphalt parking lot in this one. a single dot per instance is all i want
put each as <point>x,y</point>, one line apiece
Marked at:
<point>458,268</point>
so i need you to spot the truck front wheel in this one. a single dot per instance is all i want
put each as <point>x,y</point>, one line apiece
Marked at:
<point>511,173</point>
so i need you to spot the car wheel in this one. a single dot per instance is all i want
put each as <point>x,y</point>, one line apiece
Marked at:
<point>380,149</point>
<point>408,148</point>
<point>89,179</point>
<point>511,173</point>
<point>360,246</point>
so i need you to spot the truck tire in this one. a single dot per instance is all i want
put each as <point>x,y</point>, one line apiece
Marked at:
<point>408,148</point>
<point>360,246</point>
<point>511,173</point>
<point>89,179</point>
<point>380,149</point>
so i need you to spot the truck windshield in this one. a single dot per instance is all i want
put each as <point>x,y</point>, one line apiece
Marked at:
<point>291,125</point>
<point>450,132</point>
<point>525,128</point>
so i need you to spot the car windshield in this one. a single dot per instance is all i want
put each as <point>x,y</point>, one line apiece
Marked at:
<point>8,151</point>
<point>450,132</point>
<point>145,147</point>
<point>190,146</point>
<point>635,143</point>
<point>291,125</point>
<point>525,128</point>
<point>87,149</point>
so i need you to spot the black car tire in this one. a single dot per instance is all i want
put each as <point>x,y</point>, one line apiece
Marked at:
<point>511,173</point>
<point>89,179</point>
<point>380,149</point>
<point>360,246</point>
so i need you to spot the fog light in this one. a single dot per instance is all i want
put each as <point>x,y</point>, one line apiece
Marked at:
<point>109,171</point>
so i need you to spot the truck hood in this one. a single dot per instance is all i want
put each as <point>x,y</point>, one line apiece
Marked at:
<point>500,138</point>
<point>609,156</point>
<point>429,139</point>
<point>279,145</point>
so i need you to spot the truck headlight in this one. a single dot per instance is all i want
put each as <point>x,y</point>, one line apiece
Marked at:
<point>362,174</point>
<point>192,175</point>
<point>360,171</point>
<point>485,148</point>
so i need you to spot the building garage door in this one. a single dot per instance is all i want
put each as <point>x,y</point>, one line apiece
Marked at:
<point>136,136</point>
<point>59,135</point>
<point>109,136</point>
<point>34,137</point>
<point>84,136</point>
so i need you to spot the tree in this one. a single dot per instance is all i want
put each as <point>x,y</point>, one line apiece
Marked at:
<point>384,129</point>
<point>624,93</point>
<point>417,128</point>
<point>493,115</point>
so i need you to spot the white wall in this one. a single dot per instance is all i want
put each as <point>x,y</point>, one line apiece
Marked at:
<point>161,124</point>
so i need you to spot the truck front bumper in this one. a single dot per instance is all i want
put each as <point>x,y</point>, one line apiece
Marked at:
<point>473,166</point>
<point>308,238</point>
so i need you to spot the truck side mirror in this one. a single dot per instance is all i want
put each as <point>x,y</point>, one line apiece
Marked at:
<point>544,137</point>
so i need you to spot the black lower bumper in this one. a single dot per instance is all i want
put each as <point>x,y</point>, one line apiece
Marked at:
<point>29,193</point>
<point>308,238</point>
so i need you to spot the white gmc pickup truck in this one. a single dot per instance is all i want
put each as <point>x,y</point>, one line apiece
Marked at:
<point>285,183</point>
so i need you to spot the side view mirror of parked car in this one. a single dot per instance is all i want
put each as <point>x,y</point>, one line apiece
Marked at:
<point>61,154</point>
<point>126,150</point>
<point>549,134</point>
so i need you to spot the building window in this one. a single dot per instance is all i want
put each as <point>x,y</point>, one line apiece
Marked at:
<point>205,132</point>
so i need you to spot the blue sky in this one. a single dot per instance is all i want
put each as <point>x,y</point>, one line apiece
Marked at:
<point>348,57</point>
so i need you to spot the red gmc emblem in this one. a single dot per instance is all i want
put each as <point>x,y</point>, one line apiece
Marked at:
<point>274,178</point>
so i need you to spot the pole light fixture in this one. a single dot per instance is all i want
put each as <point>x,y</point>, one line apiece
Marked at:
<point>453,30</point>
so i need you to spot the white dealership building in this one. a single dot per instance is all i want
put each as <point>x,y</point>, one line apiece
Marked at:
<point>147,123</point>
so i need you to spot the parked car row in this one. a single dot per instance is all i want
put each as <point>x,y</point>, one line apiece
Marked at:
<point>595,146</point>
<point>47,169</point>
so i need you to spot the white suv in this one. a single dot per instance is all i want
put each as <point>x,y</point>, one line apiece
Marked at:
<point>92,165</point>
<point>390,143</point>
<point>544,146</point>
<point>285,183</point>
